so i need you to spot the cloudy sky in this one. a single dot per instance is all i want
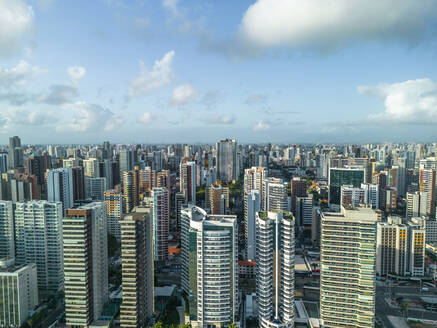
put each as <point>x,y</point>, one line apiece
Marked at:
<point>195,71</point>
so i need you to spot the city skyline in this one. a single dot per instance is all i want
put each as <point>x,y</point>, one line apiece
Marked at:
<point>166,71</point>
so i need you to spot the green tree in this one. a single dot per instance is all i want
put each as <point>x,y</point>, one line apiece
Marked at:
<point>158,325</point>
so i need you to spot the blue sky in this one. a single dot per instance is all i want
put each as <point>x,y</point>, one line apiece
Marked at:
<point>196,71</point>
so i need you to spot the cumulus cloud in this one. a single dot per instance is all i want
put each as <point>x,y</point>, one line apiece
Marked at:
<point>262,126</point>
<point>60,94</point>
<point>320,24</point>
<point>89,118</point>
<point>408,102</point>
<point>182,95</point>
<point>13,117</point>
<point>76,72</point>
<point>160,75</point>
<point>19,75</point>
<point>16,20</point>
<point>146,118</point>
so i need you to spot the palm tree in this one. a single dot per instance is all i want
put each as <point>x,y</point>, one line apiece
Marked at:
<point>404,308</point>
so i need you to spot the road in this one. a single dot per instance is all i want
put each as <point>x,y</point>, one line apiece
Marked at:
<point>383,310</point>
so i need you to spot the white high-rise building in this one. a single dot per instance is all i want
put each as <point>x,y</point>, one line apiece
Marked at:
<point>91,167</point>
<point>275,269</point>
<point>347,275</point>
<point>210,267</point>
<point>252,205</point>
<point>38,239</point>
<point>274,195</point>
<point>60,187</point>
<point>7,233</point>
<point>85,263</point>
<point>352,196</point>
<point>417,204</point>
<point>18,293</point>
<point>253,179</point>
<point>371,194</point>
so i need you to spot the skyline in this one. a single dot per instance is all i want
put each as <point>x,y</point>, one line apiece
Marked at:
<point>169,71</point>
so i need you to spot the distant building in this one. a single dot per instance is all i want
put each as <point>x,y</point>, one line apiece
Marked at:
<point>114,210</point>
<point>60,187</point>
<point>227,165</point>
<point>252,205</point>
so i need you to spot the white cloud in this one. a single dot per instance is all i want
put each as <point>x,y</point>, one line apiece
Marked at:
<point>408,102</point>
<point>89,118</point>
<point>16,20</point>
<point>60,94</point>
<point>19,75</point>
<point>146,118</point>
<point>76,72</point>
<point>321,24</point>
<point>178,16</point>
<point>12,117</point>
<point>256,99</point>
<point>261,126</point>
<point>160,75</point>
<point>182,95</point>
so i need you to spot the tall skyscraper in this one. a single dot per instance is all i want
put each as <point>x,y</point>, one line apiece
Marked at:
<point>298,188</point>
<point>187,175</point>
<point>78,183</point>
<point>427,183</point>
<point>126,161</point>
<point>3,163</point>
<point>85,263</point>
<point>107,173</point>
<point>15,153</point>
<point>253,179</point>
<point>38,239</point>
<point>131,189</point>
<point>18,292</point>
<point>7,233</point>
<point>252,205</point>
<point>209,267</point>
<point>227,166</point>
<point>275,269</point>
<point>137,268</point>
<point>60,186</point>
<point>275,196</point>
<point>218,199</point>
<point>160,210</point>
<point>114,209</point>
<point>348,258</point>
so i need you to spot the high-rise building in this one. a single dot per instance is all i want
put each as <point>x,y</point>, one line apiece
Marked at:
<point>416,246</point>
<point>352,196</point>
<point>253,179</point>
<point>15,153</point>
<point>218,199</point>
<point>275,269</point>
<point>3,163</point>
<point>252,205</point>
<point>304,211</point>
<point>427,183</point>
<point>107,173</point>
<point>107,150</point>
<point>95,188</point>
<point>417,204</point>
<point>91,167</point>
<point>38,239</point>
<point>131,189</point>
<point>392,247</point>
<point>275,196</point>
<point>227,166</point>
<point>126,161</point>
<point>78,183</point>
<point>114,209</point>
<point>347,290</point>
<point>338,177</point>
<point>209,267</point>
<point>187,175</point>
<point>18,292</point>
<point>371,194</point>
<point>160,211</point>
<point>7,233</point>
<point>60,187</point>
<point>136,268</point>
<point>298,188</point>
<point>85,263</point>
